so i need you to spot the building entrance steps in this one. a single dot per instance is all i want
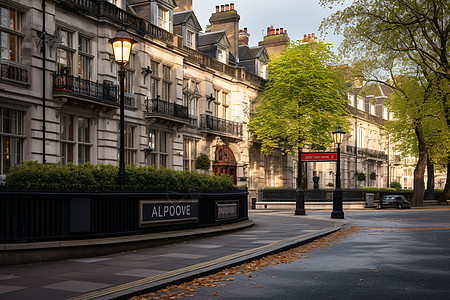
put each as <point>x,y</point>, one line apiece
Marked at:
<point>133,272</point>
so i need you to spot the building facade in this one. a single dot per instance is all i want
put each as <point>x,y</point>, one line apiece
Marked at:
<point>59,93</point>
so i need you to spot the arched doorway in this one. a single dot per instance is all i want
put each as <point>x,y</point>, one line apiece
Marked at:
<point>225,162</point>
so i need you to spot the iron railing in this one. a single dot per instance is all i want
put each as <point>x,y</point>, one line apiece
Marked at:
<point>13,72</point>
<point>28,216</point>
<point>319,195</point>
<point>65,83</point>
<point>213,123</point>
<point>104,9</point>
<point>158,106</point>
<point>367,152</point>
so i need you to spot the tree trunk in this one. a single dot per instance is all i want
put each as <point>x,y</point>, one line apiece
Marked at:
<point>446,194</point>
<point>419,171</point>
<point>429,193</point>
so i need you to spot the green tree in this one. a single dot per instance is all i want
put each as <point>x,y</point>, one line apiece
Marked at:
<point>303,101</point>
<point>407,37</point>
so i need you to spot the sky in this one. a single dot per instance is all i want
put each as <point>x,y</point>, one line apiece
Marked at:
<point>298,17</point>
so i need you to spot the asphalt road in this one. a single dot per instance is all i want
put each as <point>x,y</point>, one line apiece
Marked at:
<point>397,254</point>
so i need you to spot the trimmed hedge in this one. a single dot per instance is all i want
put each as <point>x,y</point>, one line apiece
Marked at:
<point>89,177</point>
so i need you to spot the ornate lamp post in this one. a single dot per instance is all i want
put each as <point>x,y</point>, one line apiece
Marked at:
<point>121,44</point>
<point>338,213</point>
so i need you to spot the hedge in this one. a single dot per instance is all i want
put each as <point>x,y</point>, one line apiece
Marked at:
<point>89,177</point>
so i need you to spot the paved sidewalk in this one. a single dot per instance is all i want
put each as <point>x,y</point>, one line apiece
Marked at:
<point>131,272</point>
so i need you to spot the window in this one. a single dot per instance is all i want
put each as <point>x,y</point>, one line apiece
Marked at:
<point>129,75</point>
<point>67,139</point>
<point>75,143</point>
<point>216,105</point>
<point>65,53</point>
<point>166,84</point>
<point>84,57</point>
<point>221,56</point>
<point>225,105</point>
<point>157,140</point>
<point>190,39</point>
<point>83,140</point>
<point>189,153</point>
<point>163,18</point>
<point>11,138</point>
<point>155,80</point>
<point>10,37</point>
<point>130,149</point>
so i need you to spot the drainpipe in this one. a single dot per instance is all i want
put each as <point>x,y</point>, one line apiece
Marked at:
<point>43,81</point>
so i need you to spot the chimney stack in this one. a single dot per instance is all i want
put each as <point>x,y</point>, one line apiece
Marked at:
<point>228,22</point>
<point>243,37</point>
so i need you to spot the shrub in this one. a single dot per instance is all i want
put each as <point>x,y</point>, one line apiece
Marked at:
<point>395,185</point>
<point>202,162</point>
<point>32,175</point>
<point>361,176</point>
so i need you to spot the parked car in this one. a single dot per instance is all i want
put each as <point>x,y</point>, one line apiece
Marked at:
<point>394,201</point>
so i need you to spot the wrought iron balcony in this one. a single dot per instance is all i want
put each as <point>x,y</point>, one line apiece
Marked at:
<point>70,85</point>
<point>166,109</point>
<point>13,72</point>
<point>367,152</point>
<point>220,125</point>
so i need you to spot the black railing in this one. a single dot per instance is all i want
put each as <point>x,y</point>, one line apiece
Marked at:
<point>320,195</point>
<point>70,84</point>
<point>27,216</point>
<point>158,106</point>
<point>367,152</point>
<point>213,123</point>
<point>13,72</point>
<point>104,9</point>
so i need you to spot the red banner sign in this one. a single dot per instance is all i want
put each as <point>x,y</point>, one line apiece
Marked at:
<point>319,156</point>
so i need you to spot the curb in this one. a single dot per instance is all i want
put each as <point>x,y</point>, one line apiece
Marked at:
<point>148,284</point>
<point>14,254</point>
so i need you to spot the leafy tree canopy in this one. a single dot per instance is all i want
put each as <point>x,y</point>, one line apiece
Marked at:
<point>303,101</point>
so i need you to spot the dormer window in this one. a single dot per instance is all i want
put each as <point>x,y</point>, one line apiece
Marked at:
<point>163,18</point>
<point>190,39</point>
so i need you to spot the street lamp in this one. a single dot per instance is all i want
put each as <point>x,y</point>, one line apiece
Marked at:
<point>121,44</point>
<point>338,213</point>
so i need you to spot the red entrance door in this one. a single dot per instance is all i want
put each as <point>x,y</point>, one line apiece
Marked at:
<point>224,162</point>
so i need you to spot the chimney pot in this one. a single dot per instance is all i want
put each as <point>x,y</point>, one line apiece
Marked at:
<point>227,7</point>
<point>222,7</point>
<point>231,6</point>
<point>313,34</point>
<point>309,36</point>
<point>281,30</point>
<point>217,8</point>
<point>268,30</point>
<point>278,30</point>
<point>245,29</point>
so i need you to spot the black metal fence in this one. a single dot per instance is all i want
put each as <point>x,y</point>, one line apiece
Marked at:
<point>39,216</point>
<point>289,195</point>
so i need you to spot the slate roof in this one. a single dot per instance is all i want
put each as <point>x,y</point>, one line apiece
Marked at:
<point>182,17</point>
<point>210,38</point>
<point>247,53</point>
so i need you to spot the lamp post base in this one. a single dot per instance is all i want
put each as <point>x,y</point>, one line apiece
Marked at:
<point>337,212</point>
<point>300,203</point>
<point>337,215</point>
